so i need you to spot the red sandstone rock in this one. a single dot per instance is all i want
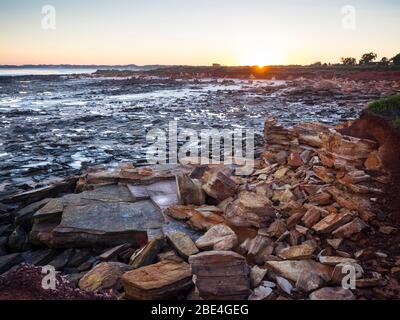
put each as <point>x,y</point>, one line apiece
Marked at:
<point>250,209</point>
<point>163,280</point>
<point>221,275</point>
<point>220,187</point>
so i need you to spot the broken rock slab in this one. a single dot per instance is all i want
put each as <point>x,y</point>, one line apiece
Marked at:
<point>50,191</point>
<point>257,275</point>
<point>199,218</point>
<point>103,276</point>
<point>349,229</point>
<point>182,243</point>
<point>299,252</point>
<point>163,280</point>
<point>332,293</point>
<point>219,237</point>
<point>250,209</point>
<point>332,221</point>
<point>292,269</point>
<point>220,187</point>
<point>189,190</point>
<point>260,293</point>
<point>221,275</point>
<point>309,281</point>
<point>146,255</point>
<point>107,224</point>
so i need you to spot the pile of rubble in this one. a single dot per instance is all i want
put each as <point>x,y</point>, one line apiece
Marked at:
<point>336,86</point>
<point>292,229</point>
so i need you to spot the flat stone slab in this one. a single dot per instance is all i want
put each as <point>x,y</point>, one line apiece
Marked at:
<point>106,216</point>
<point>162,193</point>
<point>107,224</point>
<point>163,280</point>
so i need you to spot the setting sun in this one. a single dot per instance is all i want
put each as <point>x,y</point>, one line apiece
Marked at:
<point>260,57</point>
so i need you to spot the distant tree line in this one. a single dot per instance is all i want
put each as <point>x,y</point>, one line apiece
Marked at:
<point>370,59</point>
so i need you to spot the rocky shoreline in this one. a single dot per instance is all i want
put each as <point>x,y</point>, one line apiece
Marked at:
<point>55,126</point>
<point>313,206</point>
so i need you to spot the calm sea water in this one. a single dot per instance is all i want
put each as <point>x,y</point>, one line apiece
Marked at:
<point>41,71</point>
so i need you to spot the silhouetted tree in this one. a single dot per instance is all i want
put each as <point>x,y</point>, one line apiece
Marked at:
<point>348,61</point>
<point>396,60</point>
<point>384,62</point>
<point>368,58</point>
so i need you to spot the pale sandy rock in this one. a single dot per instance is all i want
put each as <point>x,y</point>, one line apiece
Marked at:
<point>219,237</point>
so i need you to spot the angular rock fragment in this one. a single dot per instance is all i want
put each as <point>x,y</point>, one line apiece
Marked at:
<point>67,185</point>
<point>257,275</point>
<point>219,237</point>
<point>374,162</point>
<point>189,190</point>
<point>250,209</point>
<point>294,218</point>
<point>376,281</point>
<point>283,196</point>
<point>324,174</point>
<point>349,229</point>
<point>38,257</point>
<point>113,252</point>
<point>291,269</point>
<point>332,221</point>
<point>220,187</point>
<point>322,198</point>
<point>61,260</point>
<point>309,281</point>
<point>311,217</point>
<point>344,150</point>
<point>203,220</point>
<point>80,256</point>
<point>163,280</point>
<point>199,218</point>
<point>258,249</point>
<point>352,202</point>
<point>24,216</point>
<point>183,244</point>
<point>334,243</point>
<point>332,260</point>
<point>146,255</point>
<point>221,275</point>
<point>169,255</point>
<point>276,229</point>
<point>284,285</point>
<point>303,251</point>
<point>105,275</point>
<point>332,293</point>
<point>260,293</point>
<point>294,160</point>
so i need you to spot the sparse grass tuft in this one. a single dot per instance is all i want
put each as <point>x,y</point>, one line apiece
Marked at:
<point>385,106</point>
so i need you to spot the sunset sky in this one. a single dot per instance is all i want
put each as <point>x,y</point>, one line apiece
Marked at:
<point>229,32</point>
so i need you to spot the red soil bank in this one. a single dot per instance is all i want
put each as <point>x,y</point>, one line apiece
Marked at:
<point>377,128</point>
<point>25,283</point>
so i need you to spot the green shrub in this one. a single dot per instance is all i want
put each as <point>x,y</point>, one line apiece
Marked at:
<point>389,106</point>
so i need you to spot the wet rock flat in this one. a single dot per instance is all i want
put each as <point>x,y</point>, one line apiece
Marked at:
<point>53,126</point>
